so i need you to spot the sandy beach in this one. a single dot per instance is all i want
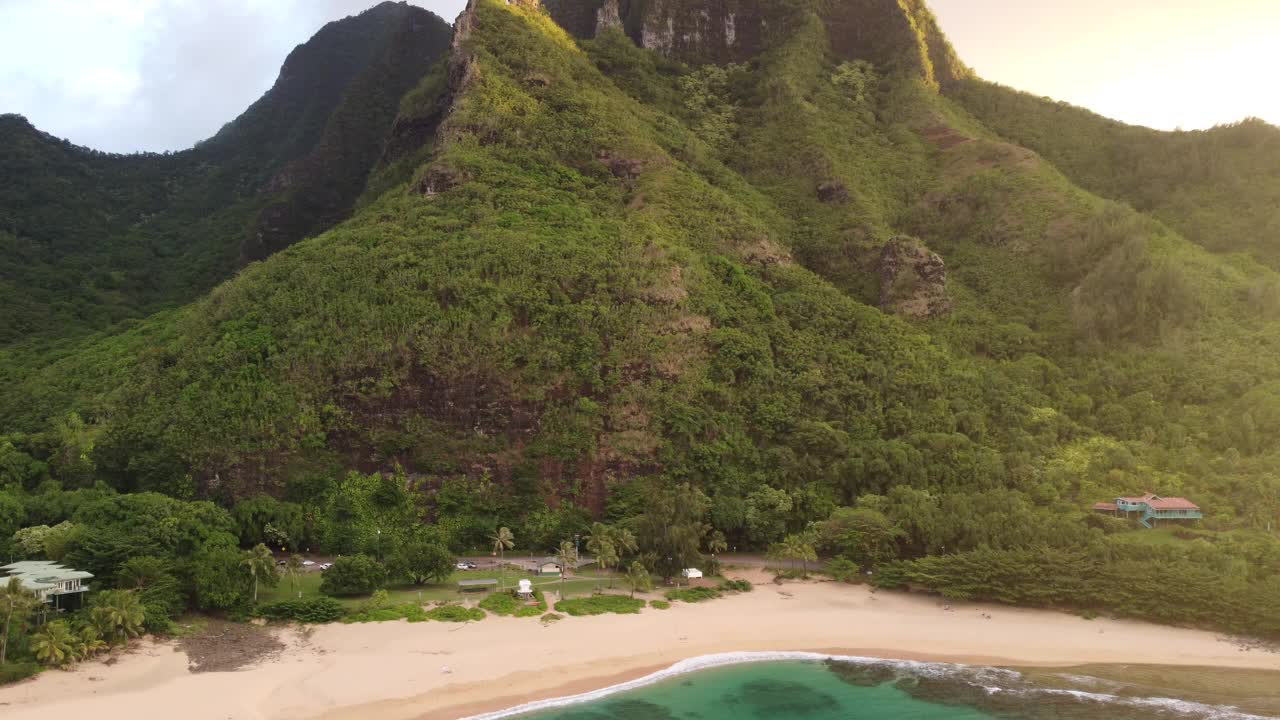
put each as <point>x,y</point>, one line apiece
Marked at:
<point>391,671</point>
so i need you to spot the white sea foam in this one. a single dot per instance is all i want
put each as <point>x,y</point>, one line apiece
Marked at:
<point>980,676</point>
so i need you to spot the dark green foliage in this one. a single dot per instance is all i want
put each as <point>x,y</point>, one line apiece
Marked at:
<point>1192,586</point>
<point>600,605</point>
<point>842,569</point>
<point>737,586</point>
<point>15,671</point>
<point>693,594</point>
<point>506,603</point>
<point>219,580</point>
<point>455,613</point>
<point>312,611</point>
<point>421,561</point>
<point>353,575</point>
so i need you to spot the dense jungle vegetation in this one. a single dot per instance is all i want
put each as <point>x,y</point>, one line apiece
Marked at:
<point>599,283</point>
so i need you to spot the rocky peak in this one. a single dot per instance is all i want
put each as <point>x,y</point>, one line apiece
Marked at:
<point>894,34</point>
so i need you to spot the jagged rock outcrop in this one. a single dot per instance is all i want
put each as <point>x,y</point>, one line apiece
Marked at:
<point>893,34</point>
<point>913,279</point>
<point>608,16</point>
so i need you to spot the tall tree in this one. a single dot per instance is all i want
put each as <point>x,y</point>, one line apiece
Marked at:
<point>293,568</point>
<point>261,565</point>
<point>15,601</point>
<point>672,528</point>
<point>793,548</point>
<point>601,544</point>
<point>567,556</point>
<point>503,540</point>
<point>638,578</point>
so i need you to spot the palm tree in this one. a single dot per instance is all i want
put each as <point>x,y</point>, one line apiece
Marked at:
<point>717,543</point>
<point>567,556</point>
<point>601,544</point>
<point>260,563</point>
<point>118,616</point>
<point>14,600</point>
<point>294,569</point>
<point>624,541</point>
<point>503,540</point>
<point>639,579</point>
<point>89,642</point>
<point>54,644</point>
<point>795,547</point>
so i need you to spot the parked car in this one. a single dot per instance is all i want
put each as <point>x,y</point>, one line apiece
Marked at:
<point>326,566</point>
<point>463,566</point>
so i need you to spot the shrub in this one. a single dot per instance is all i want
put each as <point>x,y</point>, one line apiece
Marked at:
<point>455,613</point>
<point>314,611</point>
<point>13,672</point>
<point>659,604</point>
<point>737,586</point>
<point>600,605</point>
<point>506,603</point>
<point>353,575</point>
<point>502,603</point>
<point>694,594</point>
<point>391,613</point>
<point>551,617</point>
<point>842,569</point>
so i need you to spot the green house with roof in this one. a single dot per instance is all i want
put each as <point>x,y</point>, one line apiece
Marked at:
<point>1151,509</point>
<point>51,583</point>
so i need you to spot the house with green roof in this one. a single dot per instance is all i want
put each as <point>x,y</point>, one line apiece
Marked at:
<point>51,583</point>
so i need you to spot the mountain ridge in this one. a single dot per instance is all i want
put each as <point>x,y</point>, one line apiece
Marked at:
<point>146,231</point>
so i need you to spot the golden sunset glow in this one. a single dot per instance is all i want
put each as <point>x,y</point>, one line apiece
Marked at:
<point>1189,64</point>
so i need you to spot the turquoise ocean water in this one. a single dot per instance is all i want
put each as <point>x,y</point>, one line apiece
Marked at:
<point>799,686</point>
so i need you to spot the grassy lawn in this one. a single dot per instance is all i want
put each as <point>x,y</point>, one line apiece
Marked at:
<point>309,584</point>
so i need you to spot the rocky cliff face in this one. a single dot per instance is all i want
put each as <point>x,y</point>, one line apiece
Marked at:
<point>913,279</point>
<point>893,34</point>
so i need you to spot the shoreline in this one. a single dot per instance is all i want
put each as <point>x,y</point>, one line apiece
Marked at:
<point>446,671</point>
<point>587,689</point>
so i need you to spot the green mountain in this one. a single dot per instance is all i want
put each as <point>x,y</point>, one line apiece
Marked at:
<point>90,239</point>
<point>776,266</point>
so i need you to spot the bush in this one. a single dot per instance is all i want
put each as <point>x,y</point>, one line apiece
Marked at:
<point>455,613</point>
<point>353,575</point>
<point>737,586</point>
<point>390,613</point>
<point>551,617</point>
<point>659,604</point>
<point>600,605</point>
<point>694,594</point>
<point>314,611</point>
<point>502,603</point>
<point>506,603</point>
<point>13,672</point>
<point>842,569</point>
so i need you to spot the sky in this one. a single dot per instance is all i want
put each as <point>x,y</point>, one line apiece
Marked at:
<point>131,75</point>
